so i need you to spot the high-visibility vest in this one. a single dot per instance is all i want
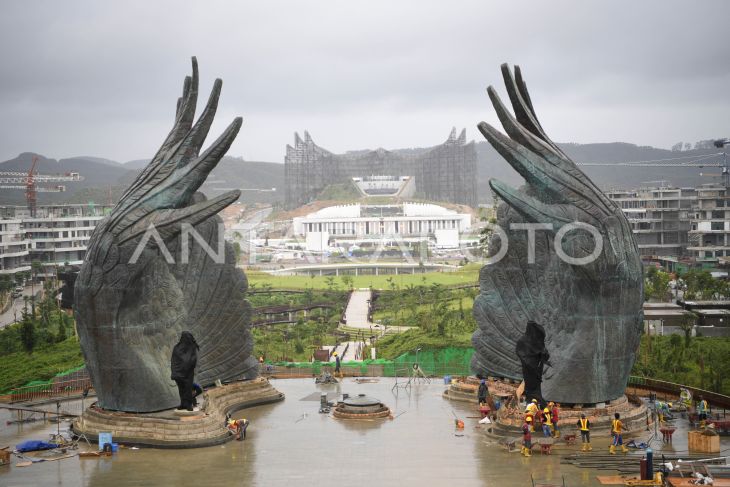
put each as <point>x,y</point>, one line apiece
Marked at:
<point>583,424</point>
<point>703,406</point>
<point>548,417</point>
<point>617,426</point>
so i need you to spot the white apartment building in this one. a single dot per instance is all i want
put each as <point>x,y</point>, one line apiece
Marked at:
<point>659,217</point>
<point>709,235</point>
<point>56,236</point>
<point>14,246</point>
<point>688,223</point>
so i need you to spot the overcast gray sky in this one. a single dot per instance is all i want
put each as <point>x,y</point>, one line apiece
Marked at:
<point>101,78</point>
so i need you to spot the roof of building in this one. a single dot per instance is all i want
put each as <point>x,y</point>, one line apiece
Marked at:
<point>713,312</point>
<point>406,209</point>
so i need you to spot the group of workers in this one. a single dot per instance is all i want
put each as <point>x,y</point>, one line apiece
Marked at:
<point>548,417</point>
<point>662,409</point>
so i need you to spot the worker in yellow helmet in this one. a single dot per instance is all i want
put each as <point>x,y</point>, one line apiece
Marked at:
<point>547,422</point>
<point>338,372</point>
<point>616,433</point>
<point>527,436</point>
<point>584,425</point>
<point>237,427</point>
<point>532,410</point>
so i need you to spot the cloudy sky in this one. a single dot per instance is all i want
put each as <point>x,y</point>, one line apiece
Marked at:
<point>101,78</point>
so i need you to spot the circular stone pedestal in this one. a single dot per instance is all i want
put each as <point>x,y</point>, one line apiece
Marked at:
<point>465,389</point>
<point>361,407</point>
<point>633,416</point>
<point>166,429</point>
<point>509,420</point>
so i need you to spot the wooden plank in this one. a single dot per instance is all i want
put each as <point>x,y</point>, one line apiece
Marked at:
<point>615,479</point>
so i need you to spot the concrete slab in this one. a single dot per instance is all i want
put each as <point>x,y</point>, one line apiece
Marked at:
<point>290,444</point>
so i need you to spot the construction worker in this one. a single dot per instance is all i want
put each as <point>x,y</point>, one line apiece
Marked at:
<point>616,433</point>
<point>663,411</point>
<point>482,392</point>
<point>338,372</point>
<point>685,398</point>
<point>527,436</point>
<point>531,410</point>
<point>547,421</point>
<point>556,411</point>
<point>237,427</point>
<point>702,411</point>
<point>584,425</point>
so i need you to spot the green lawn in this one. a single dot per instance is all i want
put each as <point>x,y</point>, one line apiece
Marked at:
<point>468,274</point>
<point>393,346</point>
<point>17,369</point>
<point>467,304</point>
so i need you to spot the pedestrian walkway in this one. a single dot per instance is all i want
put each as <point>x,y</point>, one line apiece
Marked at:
<point>357,314</point>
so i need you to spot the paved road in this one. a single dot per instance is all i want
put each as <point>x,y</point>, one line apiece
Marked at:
<point>9,317</point>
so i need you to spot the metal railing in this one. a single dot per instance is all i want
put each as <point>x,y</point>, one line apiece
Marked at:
<point>60,389</point>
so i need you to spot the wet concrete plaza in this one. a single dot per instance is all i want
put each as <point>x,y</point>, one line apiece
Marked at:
<point>290,443</point>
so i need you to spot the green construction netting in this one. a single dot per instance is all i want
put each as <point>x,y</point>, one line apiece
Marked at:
<point>446,361</point>
<point>39,385</point>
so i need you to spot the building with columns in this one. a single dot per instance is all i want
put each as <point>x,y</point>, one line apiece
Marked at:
<point>358,223</point>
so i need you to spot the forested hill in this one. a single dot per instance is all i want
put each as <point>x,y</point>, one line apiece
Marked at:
<point>491,165</point>
<point>105,179</point>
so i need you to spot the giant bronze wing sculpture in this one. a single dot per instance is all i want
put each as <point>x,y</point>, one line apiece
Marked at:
<point>587,291</point>
<point>134,296</point>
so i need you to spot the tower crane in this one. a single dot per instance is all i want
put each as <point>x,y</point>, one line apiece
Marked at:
<point>29,182</point>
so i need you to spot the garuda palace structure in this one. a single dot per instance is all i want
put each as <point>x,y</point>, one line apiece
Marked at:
<point>446,172</point>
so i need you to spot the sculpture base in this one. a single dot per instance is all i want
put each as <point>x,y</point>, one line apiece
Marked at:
<point>634,417</point>
<point>166,429</point>
<point>465,389</point>
<point>509,418</point>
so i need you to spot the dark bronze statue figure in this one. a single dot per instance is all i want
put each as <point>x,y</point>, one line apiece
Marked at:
<point>147,277</point>
<point>586,289</point>
<point>533,357</point>
<point>182,368</point>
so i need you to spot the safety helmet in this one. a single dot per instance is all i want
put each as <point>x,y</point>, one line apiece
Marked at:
<point>528,419</point>
<point>535,401</point>
<point>335,354</point>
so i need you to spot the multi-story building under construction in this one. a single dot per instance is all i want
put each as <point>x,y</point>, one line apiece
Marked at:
<point>679,223</point>
<point>446,172</point>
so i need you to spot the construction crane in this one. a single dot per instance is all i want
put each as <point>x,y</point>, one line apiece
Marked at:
<point>29,182</point>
